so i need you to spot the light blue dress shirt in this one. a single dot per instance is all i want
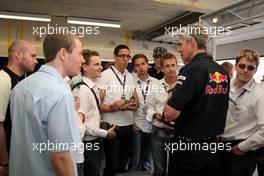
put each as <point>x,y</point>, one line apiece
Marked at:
<point>43,121</point>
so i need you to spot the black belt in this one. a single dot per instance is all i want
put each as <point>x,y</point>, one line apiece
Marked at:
<point>93,141</point>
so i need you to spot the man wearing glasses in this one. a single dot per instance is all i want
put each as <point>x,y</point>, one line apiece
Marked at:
<point>118,101</point>
<point>245,123</point>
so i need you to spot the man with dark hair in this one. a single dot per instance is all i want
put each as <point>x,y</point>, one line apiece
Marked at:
<point>155,69</point>
<point>119,100</point>
<point>142,155</point>
<point>21,60</point>
<point>43,115</point>
<point>198,106</point>
<point>89,104</point>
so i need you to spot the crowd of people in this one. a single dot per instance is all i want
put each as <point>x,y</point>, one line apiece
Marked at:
<point>198,121</point>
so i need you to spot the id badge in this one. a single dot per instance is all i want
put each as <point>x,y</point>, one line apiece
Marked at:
<point>123,96</point>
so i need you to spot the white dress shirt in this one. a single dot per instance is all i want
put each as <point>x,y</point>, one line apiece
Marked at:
<point>245,117</point>
<point>5,89</point>
<point>156,102</point>
<point>114,91</point>
<point>92,115</point>
<point>140,120</point>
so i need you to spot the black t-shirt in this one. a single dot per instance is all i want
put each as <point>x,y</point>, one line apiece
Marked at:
<point>154,73</point>
<point>7,124</point>
<point>201,94</point>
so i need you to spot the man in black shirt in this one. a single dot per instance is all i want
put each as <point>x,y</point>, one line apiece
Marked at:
<point>198,105</point>
<point>155,69</point>
<point>21,60</point>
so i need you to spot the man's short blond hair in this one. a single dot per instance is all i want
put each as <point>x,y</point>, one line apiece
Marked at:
<point>249,54</point>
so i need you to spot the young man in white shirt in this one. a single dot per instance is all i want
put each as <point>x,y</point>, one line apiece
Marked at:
<point>155,103</point>
<point>119,101</point>
<point>89,104</point>
<point>44,124</point>
<point>141,159</point>
<point>244,127</point>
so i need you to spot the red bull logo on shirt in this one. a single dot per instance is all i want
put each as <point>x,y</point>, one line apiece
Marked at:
<point>218,78</point>
<point>216,88</point>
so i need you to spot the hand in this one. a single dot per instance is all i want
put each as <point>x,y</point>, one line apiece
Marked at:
<point>157,116</point>
<point>135,130</point>
<point>111,132</point>
<point>118,104</point>
<point>81,117</point>
<point>102,94</point>
<point>235,150</point>
<point>128,107</point>
<point>77,103</point>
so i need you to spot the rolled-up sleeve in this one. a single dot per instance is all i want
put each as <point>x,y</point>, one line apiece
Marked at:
<point>256,140</point>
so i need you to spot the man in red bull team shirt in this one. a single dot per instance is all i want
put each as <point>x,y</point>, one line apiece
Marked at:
<point>198,106</point>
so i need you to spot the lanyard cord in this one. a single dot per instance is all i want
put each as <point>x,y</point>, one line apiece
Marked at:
<point>142,91</point>
<point>122,83</point>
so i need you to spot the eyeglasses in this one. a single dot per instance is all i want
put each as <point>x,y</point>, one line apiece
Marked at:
<point>244,66</point>
<point>124,56</point>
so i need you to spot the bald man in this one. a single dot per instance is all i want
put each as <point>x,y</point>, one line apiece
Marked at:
<point>21,60</point>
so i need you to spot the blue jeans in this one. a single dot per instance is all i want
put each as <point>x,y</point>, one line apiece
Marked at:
<point>141,159</point>
<point>160,158</point>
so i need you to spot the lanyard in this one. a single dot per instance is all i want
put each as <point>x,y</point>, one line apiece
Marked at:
<point>96,98</point>
<point>235,101</point>
<point>165,87</point>
<point>144,93</point>
<point>122,83</point>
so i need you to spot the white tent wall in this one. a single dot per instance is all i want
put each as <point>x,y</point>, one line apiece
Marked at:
<point>232,49</point>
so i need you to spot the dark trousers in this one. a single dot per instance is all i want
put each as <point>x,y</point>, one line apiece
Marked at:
<point>93,157</point>
<point>187,161</point>
<point>79,169</point>
<point>238,165</point>
<point>260,161</point>
<point>118,151</point>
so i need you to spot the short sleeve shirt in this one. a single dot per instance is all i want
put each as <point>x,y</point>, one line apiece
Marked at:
<point>201,94</point>
<point>43,121</point>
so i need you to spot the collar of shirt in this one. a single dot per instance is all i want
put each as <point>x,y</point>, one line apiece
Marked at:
<point>89,82</point>
<point>199,56</point>
<point>13,74</point>
<point>163,82</point>
<point>52,71</point>
<point>248,86</point>
<point>137,79</point>
<point>119,73</point>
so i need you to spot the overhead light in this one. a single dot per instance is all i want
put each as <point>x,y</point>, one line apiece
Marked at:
<point>215,19</point>
<point>93,22</point>
<point>24,16</point>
